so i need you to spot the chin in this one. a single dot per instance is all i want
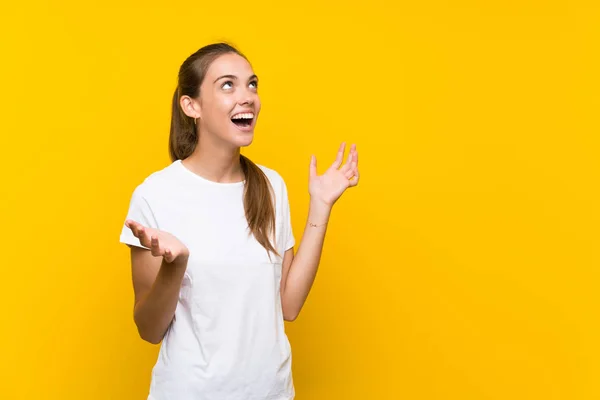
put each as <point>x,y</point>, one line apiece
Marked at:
<point>247,141</point>
<point>240,138</point>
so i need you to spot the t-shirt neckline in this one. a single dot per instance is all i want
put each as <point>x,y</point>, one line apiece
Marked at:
<point>207,181</point>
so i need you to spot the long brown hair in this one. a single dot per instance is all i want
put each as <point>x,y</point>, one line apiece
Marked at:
<point>258,194</point>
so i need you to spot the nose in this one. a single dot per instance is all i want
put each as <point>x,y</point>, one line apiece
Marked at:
<point>247,97</point>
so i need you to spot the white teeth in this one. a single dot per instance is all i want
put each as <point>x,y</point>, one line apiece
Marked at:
<point>243,116</point>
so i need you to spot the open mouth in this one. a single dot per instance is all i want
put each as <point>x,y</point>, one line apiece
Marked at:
<point>243,120</point>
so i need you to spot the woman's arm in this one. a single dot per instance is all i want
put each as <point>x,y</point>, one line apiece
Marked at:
<point>156,285</point>
<point>299,271</point>
<point>157,274</point>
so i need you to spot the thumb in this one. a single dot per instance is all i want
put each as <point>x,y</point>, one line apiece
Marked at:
<point>313,166</point>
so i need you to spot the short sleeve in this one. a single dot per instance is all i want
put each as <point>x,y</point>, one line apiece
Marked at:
<point>139,211</point>
<point>288,234</point>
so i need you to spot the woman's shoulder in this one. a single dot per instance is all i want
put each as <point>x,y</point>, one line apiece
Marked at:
<point>272,174</point>
<point>157,181</point>
<point>277,183</point>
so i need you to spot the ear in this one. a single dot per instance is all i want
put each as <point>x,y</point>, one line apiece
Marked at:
<point>190,107</point>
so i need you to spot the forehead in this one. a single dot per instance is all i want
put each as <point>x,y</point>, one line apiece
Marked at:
<point>229,64</point>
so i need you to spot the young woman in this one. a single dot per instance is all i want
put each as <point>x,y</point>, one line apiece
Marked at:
<point>212,247</point>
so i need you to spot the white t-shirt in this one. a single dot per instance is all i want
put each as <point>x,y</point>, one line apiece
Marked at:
<point>227,340</point>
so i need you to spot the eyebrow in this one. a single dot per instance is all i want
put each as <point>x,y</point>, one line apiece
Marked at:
<point>235,77</point>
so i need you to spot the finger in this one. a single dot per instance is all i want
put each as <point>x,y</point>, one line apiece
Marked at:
<point>155,246</point>
<point>145,237</point>
<point>340,156</point>
<point>131,225</point>
<point>168,255</point>
<point>139,231</point>
<point>142,235</point>
<point>348,165</point>
<point>354,180</point>
<point>313,166</point>
<point>351,154</point>
<point>351,171</point>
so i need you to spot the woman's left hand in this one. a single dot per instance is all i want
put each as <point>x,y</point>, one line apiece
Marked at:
<point>328,188</point>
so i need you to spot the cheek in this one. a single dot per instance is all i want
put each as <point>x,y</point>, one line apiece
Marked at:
<point>257,104</point>
<point>223,105</point>
<point>219,111</point>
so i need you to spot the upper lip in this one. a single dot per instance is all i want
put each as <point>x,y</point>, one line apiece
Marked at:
<point>243,112</point>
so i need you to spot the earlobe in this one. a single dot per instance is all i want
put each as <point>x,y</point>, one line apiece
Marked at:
<point>189,107</point>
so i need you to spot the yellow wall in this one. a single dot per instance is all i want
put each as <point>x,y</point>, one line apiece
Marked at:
<point>464,266</point>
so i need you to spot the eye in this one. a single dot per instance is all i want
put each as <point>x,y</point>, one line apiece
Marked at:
<point>254,84</point>
<point>227,85</point>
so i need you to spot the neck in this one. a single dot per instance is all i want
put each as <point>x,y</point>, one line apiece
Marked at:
<point>215,162</point>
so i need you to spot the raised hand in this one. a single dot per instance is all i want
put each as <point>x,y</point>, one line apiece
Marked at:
<point>328,188</point>
<point>160,243</point>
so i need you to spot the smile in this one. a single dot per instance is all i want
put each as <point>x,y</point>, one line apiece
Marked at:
<point>243,121</point>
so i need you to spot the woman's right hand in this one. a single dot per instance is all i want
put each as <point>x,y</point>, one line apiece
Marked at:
<point>161,244</point>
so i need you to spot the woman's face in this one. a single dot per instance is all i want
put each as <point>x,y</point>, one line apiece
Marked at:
<point>229,102</point>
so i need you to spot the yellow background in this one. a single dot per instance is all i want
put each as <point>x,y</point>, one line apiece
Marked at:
<point>464,266</point>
